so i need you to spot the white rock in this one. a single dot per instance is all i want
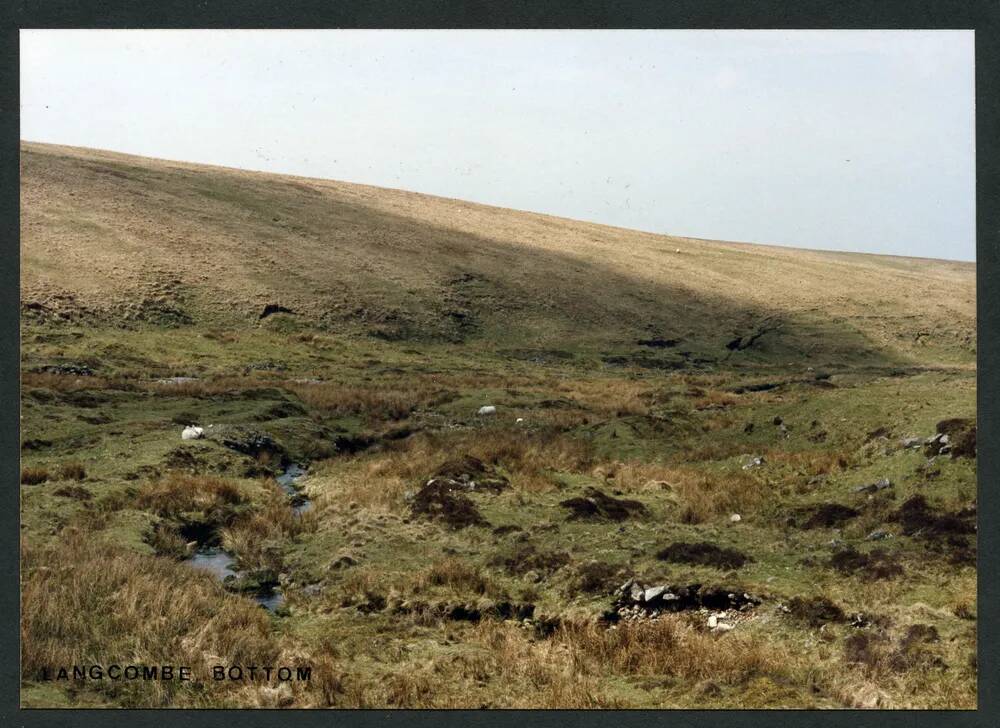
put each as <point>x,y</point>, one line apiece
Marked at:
<point>713,621</point>
<point>653,592</point>
<point>191,432</point>
<point>519,419</point>
<point>723,627</point>
<point>735,518</point>
<point>487,410</point>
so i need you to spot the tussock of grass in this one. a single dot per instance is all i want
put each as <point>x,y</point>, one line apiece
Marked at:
<point>34,476</point>
<point>83,602</point>
<point>179,493</point>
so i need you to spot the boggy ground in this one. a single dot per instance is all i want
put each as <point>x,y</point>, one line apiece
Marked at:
<point>719,475</point>
<point>457,560</point>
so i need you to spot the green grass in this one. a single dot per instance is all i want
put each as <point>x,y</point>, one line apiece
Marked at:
<point>684,428</point>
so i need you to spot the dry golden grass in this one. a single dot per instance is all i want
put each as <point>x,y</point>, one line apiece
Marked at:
<point>701,495</point>
<point>456,574</point>
<point>380,480</point>
<point>671,647</point>
<point>256,536</point>
<point>178,492</point>
<point>374,403</point>
<point>34,476</point>
<point>72,471</point>
<point>85,602</point>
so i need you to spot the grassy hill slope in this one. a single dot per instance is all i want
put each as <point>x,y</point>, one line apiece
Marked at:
<point>170,242</point>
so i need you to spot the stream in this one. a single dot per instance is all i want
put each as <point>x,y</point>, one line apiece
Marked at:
<point>222,565</point>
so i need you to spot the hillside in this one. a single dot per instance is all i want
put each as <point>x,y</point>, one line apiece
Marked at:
<point>453,456</point>
<point>166,242</point>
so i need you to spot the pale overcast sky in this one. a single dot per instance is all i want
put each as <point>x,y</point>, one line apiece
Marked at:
<point>858,141</point>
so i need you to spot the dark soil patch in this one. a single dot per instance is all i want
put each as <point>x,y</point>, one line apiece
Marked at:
<point>282,410</point>
<point>526,557</point>
<point>815,611</point>
<point>827,515</point>
<point>961,434</point>
<point>593,577</point>
<point>271,309</point>
<point>761,387</point>
<point>438,500</point>
<point>351,444</point>
<point>918,518</point>
<point>878,564</point>
<point>36,444</point>
<point>658,343</point>
<point>596,505</point>
<point>703,553</point>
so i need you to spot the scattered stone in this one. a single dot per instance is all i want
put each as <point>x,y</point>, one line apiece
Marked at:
<point>755,462</point>
<point>631,596</point>
<point>487,410</point>
<point>911,442</point>
<point>735,518</point>
<point>878,535</point>
<point>75,370</point>
<point>653,593</point>
<point>880,484</point>
<point>470,474</point>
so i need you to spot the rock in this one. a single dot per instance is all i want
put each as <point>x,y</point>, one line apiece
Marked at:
<point>909,442</point>
<point>735,518</point>
<point>723,627</point>
<point>636,593</point>
<point>878,535</point>
<point>713,622</point>
<point>487,410</point>
<point>519,420</point>
<point>191,432</point>
<point>755,462</point>
<point>653,592</point>
<point>880,484</point>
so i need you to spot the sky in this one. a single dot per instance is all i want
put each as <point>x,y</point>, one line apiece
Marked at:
<point>838,140</point>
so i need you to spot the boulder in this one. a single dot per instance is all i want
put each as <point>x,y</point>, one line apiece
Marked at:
<point>487,409</point>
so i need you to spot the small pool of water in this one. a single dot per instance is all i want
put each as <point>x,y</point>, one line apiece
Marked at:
<point>213,560</point>
<point>220,564</point>
<point>271,601</point>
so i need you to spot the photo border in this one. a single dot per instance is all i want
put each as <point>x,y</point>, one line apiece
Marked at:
<point>983,16</point>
